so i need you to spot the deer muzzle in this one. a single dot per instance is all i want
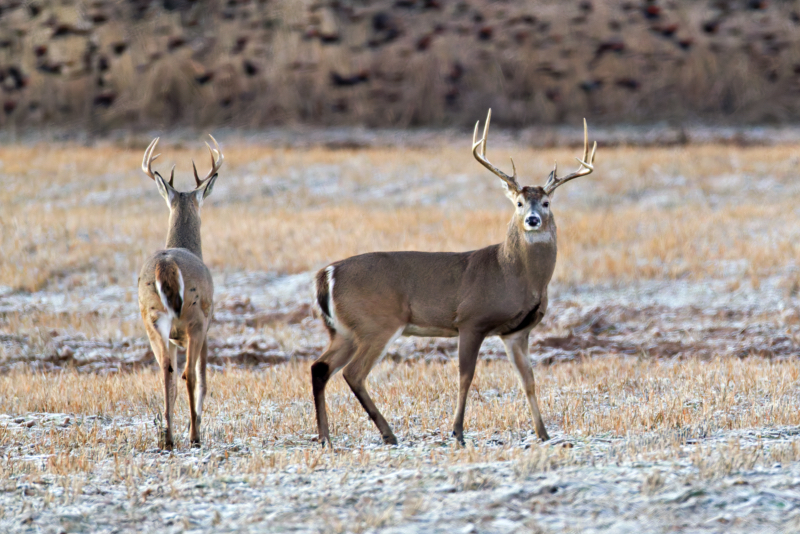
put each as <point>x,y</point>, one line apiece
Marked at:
<point>533,221</point>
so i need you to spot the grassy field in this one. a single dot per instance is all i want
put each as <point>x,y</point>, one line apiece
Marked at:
<point>647,213</point>
<point>677,433</point>
<point>666,366</point>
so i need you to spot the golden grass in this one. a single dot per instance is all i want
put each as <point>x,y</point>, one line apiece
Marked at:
<point>69,213</point>
<point>618,400</point>
<point>75,219</point>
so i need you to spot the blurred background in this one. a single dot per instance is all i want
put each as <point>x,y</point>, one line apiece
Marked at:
<point>106,64</point>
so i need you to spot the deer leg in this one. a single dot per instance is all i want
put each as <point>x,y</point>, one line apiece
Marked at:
<point>173,380</point>
<point>517,351</point>
<point>339,352</point>
<point>193,349</point>
<point>200,370</point>
<point>163,354</point>
<point>469,344</point>
<point>367,355</point>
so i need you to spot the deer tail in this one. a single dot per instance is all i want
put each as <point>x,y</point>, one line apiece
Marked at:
<point>169,284</point>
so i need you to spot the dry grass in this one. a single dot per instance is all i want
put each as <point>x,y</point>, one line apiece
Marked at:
<point>70,213</point>
<point>77,223</point>
<point>663,404</point>
<point>254,63</point>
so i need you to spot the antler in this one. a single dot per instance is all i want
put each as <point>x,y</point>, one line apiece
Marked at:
<point>149,158</point>
<point>216,162</point>
<point>511,181</point>
<point>553,181</point>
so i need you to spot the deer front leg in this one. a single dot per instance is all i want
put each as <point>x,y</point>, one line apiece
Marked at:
<point>517,350</point>
<point>469,344</point>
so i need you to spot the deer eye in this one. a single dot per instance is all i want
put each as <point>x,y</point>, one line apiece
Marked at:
<point>546,204</point>
<point>519,204</point>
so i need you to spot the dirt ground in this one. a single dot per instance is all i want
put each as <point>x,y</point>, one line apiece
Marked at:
<point>666,364</point>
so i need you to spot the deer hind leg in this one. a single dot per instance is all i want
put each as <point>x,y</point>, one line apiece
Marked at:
<point>200,370</point>
<point>158,334</point>
<point>339,352</point>
<point>370,352</point>
<point>517,351</point>
<point>469,345</point>
<point>194,349</point>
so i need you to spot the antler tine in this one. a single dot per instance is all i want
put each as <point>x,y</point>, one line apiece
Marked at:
<point>586,167</point>
<point>486,133</point>
<point>148,158</point>
<point>197,179</point>
<point>216,162</point>
<point>481,143</point>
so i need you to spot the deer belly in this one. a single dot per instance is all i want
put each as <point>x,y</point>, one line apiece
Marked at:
<point>429,331</point>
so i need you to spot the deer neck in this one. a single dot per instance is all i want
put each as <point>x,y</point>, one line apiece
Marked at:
<point>531,257</point>
<point>184,231</point>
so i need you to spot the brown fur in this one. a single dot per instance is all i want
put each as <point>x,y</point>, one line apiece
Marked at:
<point>323,297</point>
<point>498,290</point>
<point>166,274</point>
<point>188,330</point>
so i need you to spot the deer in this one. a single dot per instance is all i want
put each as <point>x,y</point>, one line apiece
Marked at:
<point>368,301</point>
<point>176,293</point>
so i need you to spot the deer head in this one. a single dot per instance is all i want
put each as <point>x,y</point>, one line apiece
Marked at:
<point>176,200</point>
<point>532,204</point>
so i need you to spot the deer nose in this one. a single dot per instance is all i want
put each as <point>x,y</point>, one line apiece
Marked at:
<point>533,220</point>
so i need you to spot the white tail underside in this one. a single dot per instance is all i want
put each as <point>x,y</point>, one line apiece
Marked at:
<point>164,323</point>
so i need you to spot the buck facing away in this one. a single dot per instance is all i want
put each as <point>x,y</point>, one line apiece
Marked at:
<point>176,293</point>
<point>368,301</point>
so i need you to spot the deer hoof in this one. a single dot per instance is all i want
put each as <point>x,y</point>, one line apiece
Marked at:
<point>164,443</point>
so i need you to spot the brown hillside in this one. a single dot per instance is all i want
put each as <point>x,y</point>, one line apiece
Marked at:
<point>141,63</point>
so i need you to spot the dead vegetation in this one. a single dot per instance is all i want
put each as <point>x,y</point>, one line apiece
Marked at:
<point>672,335</point>
<point>697,432</point>
<point>72,213</point>
<point>250,63</point>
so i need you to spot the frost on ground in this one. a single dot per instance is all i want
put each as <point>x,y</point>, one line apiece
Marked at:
<point>731,482</point>
<point>634,449</point>
<point>262,319</point>
<point>665,366</point>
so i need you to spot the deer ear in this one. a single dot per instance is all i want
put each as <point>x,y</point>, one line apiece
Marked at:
<point>167,192</point>
<point>511,192</point>
<point>204,190</point>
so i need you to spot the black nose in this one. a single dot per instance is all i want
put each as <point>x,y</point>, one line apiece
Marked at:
<point>533,220</point>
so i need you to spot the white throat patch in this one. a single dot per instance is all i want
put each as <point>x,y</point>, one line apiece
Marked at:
<point>538,236</point>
